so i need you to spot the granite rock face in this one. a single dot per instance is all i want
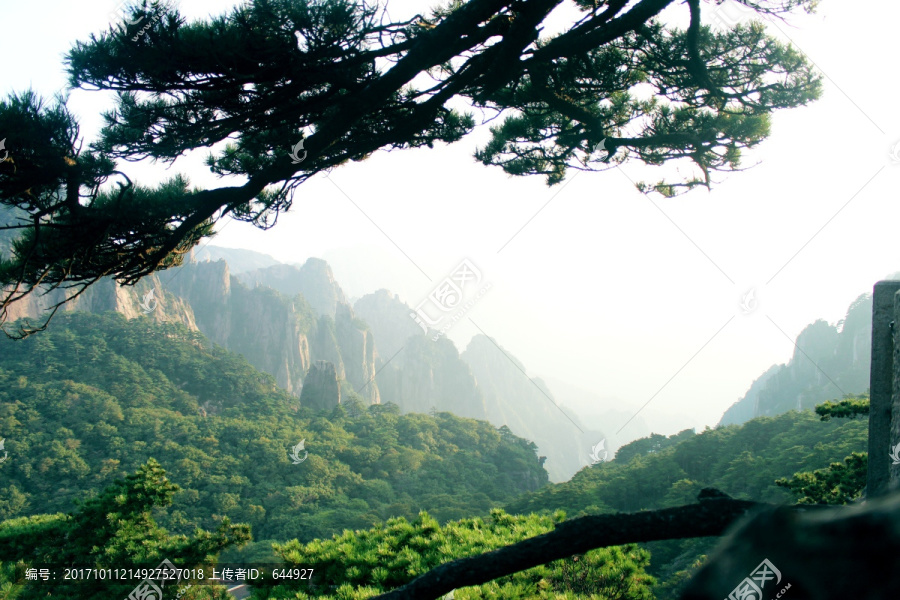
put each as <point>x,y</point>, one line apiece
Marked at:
<point>484,382</point>
<point>279,334</point>
<point>321,388</point>
<point>390,321</point>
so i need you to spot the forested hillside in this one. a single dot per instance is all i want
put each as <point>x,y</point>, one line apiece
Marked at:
<point>657,472</point>
<point>96,396</point>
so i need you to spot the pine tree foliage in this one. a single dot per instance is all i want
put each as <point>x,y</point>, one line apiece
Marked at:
<point>113,530</point>
<point>280,90</point>
<point>363,563</point>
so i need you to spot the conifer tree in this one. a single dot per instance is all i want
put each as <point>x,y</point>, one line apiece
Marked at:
<point>286,89</point>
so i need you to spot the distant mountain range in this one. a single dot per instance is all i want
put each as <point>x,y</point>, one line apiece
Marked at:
<point>828,362</point>
<point>284,318</point>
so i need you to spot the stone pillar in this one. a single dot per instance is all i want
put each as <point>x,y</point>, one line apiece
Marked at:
<point>321,387</point>
<point>894,469</point>
<point>883,392</point>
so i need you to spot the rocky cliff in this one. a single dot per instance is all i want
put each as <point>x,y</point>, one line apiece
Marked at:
<point>147,298</point>
<point>389,319</point>
<point>279,334</point>
<point>239,260</point>
<point>418,375</point>
<point>828,361</point>
<point>430,376</point>
<point>314,281</point>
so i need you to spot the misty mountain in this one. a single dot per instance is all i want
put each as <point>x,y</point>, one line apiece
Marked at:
<point>314,281</point>
<point>610,414</point>
<point>239,261</point>
<point>95,396</point>
<point>828,362</point>
<point>277,333</point>
<point>483,382</point>
<point>146,298</point>
<point>283,318</point>
<point>528,407</point>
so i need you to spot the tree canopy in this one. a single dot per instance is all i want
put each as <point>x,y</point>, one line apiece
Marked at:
<point>96,396</point>
<point>280,90</point>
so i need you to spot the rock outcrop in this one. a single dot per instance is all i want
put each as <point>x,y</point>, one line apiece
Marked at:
<point>148,298</point>
<point>321,388</point>
<point>415,373</point>
<point>429,375</point>
<point>389,320</point>
<point>279,334</point>
<point>358,355</point>
<point>239,260</point>
<point>482,383</point>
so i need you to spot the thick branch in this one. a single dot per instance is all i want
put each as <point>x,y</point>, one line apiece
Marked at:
<point>446,41</point>
<point>575,42</point>
<point>710,517</point>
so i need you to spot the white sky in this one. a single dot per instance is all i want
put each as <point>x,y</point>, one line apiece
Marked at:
<point>602,288</point>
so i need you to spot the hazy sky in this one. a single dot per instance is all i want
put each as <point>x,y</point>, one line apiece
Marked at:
<point>592,282</point>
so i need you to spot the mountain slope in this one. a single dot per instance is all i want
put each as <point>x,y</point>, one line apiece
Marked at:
<point>482,382</point>
<point>529,409</point>
<point>828,361</point>
<point>415,373</point>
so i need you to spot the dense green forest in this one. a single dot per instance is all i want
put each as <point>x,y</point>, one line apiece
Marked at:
<point>743,461</point>
<point>96,396</point>
<point>796,456</point>
<point>380,498</point>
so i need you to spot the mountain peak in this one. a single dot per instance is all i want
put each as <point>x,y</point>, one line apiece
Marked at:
<point>314,280</point>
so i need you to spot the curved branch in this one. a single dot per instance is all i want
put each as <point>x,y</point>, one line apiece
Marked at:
<point>712,516</point>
